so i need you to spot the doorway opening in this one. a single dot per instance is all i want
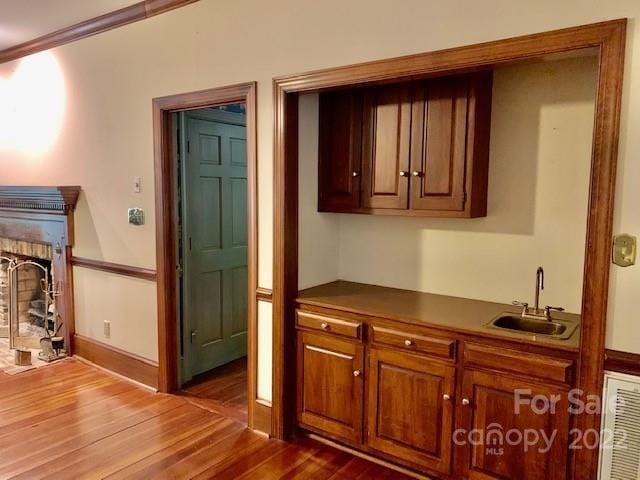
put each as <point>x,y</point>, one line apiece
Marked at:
<point>211,186</point>
<point>206,238</point>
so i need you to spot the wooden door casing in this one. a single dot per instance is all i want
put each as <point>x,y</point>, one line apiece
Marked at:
<point>489,408</point>
<point>386,147</point>
<point>340,151</point>
<point>330,386</point>
<point>410,408</point>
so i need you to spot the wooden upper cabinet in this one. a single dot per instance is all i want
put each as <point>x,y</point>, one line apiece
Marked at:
<point>424,148</point>
<point>340,154</point>
<point>386,147</point>
<point>410,408</point>
<point>450,145</point>
<point>331,385</point>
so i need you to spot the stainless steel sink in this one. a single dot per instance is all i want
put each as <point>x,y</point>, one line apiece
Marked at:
<point>558,329</point>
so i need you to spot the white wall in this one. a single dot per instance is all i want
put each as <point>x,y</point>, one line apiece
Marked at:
<point>111,78</point>
<point>542,127</point>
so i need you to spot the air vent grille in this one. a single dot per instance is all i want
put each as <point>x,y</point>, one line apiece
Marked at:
<point>620,455</point>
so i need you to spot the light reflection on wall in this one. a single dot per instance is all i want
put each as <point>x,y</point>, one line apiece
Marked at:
<point>32,105</point>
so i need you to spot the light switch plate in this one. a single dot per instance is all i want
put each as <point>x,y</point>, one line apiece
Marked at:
<point>137,184</point>
<point>624,250</point>
<point>136,216</point>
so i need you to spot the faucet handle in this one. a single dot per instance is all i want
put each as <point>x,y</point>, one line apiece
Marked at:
<point>548,309</point>
<point>518,303</point>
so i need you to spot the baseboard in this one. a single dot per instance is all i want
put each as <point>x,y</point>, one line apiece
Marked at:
<point>623,362</point>
<point>262,416</point>
<point>111,358</point>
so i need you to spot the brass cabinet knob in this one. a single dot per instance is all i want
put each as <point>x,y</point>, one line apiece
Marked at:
<point>354,174</point>
<point>324,326</point>
<point>416,173</point>
<point>408,342</point>
<point>403,173</point>
<point>446,397</point>
<point>465,401</point>
<point>356,373</point>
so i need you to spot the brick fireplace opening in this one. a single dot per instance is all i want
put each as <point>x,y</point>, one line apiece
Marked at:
<point>26,297</point>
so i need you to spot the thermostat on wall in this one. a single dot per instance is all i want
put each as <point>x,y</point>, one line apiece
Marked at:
<point>136,216</point>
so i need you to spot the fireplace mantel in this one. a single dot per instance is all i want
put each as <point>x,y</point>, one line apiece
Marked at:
<point>45,215</point>
<point>61,200</point>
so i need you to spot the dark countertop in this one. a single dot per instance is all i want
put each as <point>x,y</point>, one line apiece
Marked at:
<point>438,311</point>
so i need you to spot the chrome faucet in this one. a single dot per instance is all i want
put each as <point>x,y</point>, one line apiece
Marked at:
<point>536,311</point>
<point>539,286</point>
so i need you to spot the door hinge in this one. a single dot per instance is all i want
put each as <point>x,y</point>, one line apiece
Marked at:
<point>188,146</point>
<point>194,334</point>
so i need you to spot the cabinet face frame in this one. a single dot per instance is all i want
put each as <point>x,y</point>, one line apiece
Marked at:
<point>608,38</point>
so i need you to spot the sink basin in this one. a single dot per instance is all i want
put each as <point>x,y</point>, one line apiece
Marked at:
<point>532,326</point>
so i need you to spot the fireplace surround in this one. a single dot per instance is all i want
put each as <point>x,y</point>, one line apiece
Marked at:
<point>37,223</point>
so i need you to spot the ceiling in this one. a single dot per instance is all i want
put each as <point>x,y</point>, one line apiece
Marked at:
<point>24,20</point>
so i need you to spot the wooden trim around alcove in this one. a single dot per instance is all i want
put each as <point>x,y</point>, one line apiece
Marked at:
<point>118,18</point>
<point>608,38</point>
<point>623,362</point>
<point>117,268</point>
<point>127,364</point>
<point>166,257</point>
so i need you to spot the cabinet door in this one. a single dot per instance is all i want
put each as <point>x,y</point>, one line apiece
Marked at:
<point>490,410</point>
<point>330,386</point>
<point>439,135</point>
<point>386,147</point>
<point>410,408</point>
<point>340,155</point>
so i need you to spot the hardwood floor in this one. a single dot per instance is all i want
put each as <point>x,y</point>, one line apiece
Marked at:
<point>71,421</point>
<point>222,390</point>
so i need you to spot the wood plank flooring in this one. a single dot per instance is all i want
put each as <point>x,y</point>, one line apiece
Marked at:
<point>223,390</point>
<point>71,421</point>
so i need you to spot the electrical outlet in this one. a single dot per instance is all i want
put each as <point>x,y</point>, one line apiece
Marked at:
<point>107,328</point>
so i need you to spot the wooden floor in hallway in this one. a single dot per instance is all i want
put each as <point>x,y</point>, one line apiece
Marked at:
<point>223,390</point>
<point>72,421</point>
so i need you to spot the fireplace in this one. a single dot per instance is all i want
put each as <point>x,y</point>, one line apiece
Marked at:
<point>36,286</point>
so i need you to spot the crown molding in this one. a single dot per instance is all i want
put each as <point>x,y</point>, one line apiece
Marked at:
<point>45,199</point>
<point>118,18</point>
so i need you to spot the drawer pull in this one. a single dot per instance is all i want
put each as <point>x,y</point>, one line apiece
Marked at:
<point>446,397</point>
<point>356,373</point>
<point>408,342</point>
<point>324,326</point>
<point>466,402</point>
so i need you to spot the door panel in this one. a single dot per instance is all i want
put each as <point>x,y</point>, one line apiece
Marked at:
<point>386,145</point>
<point>492,411</point>
<point>439,144</point>
<point>409,416</point>
<point>215,242</point>
<point>339,151</point>
<point>331,385</point>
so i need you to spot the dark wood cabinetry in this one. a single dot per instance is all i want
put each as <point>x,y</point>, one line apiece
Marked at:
<point>435,401</point>
<point>410,408</point>
<point>424,148</point>
<point>331,385</point>
<point>490,408</point>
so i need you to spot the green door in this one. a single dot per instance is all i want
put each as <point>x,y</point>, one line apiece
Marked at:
<point>214,239</point>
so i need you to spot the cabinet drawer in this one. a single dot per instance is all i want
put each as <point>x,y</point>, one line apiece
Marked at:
<point>513,361</point>
<point>324,323</point>
<point>439,347</point>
